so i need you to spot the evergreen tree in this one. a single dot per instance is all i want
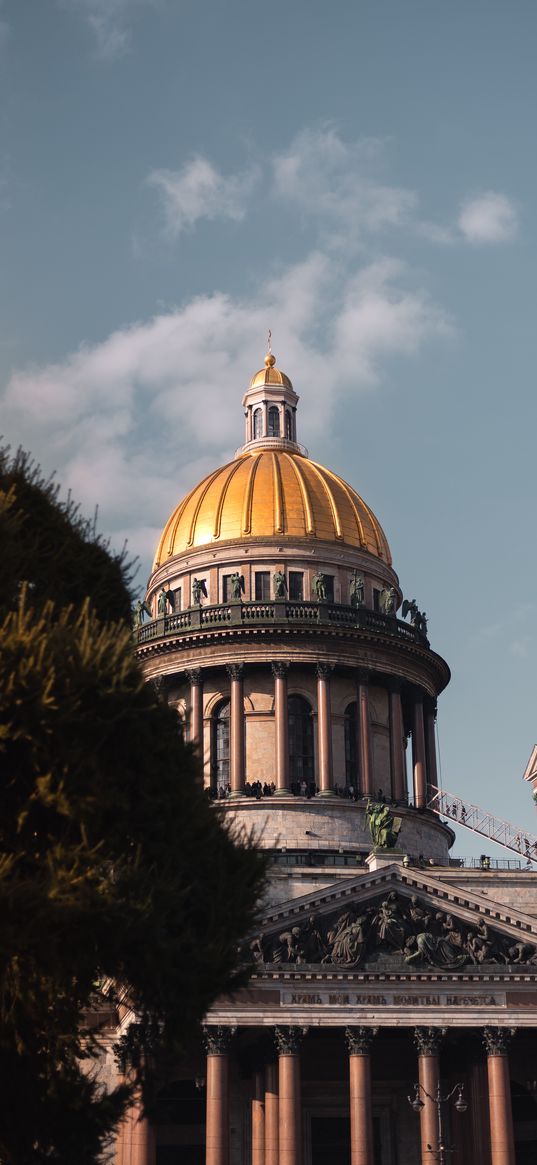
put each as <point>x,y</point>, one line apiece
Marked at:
<point>116,876</point>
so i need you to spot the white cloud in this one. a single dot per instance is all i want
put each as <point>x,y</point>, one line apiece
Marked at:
<point>133,422</point>
<point>334,181</point>
<point>199,191</point>
<point>488,218</point>
<point>109,21</point>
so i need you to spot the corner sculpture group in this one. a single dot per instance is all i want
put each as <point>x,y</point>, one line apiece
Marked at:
<point>406,928</point>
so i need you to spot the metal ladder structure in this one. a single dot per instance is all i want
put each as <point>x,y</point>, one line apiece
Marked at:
<point>461,812</point>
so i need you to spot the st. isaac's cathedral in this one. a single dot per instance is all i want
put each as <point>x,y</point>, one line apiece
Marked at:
<point>390,1018</point>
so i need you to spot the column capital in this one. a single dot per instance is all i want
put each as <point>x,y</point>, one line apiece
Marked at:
<point>359,1039</point>
<point>289,1039</point>
<point>497,1040</point>
<point>428,1039</point>
<point>279,669</point>
<point>217,1039</point>
<point>235,671</point>
<point>323,671</point>
<point>194,675</point>
<point>362,676</point>
<point>394,684</point>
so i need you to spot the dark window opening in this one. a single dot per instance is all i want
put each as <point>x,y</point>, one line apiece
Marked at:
<point>226,588</point>
<point>262,585</point>
<point>296,585</point>
<point>273,422</point>
<point>288,425</point>
<point>258,423</point>
<point>300,740</point>
<point>177,599</point>
<point>376,599</point>
<point>329,587</point>
<point>220,747</point>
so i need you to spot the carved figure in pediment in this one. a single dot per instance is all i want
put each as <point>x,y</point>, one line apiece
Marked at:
<point>419,917</point>
<point>437,952</point>
<point>390,925</point>
<point>348,940</point>
<point>288,947</point>
<point>312,941</point>
<point>257,949</point>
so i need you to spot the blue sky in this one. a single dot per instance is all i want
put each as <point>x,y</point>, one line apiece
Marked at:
<point>176,177</point>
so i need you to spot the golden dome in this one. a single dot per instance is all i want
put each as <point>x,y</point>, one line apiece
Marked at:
<point>270,374</point>
<point>271,493</point>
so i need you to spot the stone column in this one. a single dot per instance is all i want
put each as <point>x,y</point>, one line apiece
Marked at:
<point>258,1120</point>
<point>288,1041</point>
<point>195,678</point>
<point>217,1128</point>
<point>236,766</point>
<point>281,719</point>
<point>397,759</point>
<point>272,1116</point>
<point>418,753</point>
<point>324,729</point>
<point>428,1041</point>
<point>359,1041</point>
<point>502,1140</point>
<point>366,775</point>
<point>135,1144</point>
<point>430,720</point>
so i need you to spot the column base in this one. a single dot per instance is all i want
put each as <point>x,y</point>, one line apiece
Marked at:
<point>235,794</point>
<point>281,793</point>
<point>325,793</point>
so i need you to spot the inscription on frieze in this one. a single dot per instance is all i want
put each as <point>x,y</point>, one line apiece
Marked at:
<point>391,999</point>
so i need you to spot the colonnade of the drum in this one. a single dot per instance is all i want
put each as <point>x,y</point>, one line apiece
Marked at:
<point>423,733</point>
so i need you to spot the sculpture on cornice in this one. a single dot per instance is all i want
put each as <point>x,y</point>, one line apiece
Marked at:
<point>198,589</point>
<point>165,600</point>
<point>357,590</point>
<point>140,608</point>
<point>388,601</point>
<point>318,583</point>
<point>418,619</point>
<point>236,583</point>
<point>279,583</point>
<point>383,826</point>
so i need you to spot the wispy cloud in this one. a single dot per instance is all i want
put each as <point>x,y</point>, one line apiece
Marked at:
<point>336,182</point>
<point>200,191</point>
<point>134,421</point>
<point>488,218</point>
<point>110,23</point>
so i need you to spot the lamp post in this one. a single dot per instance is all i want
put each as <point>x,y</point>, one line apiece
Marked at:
<point>416,1103</point>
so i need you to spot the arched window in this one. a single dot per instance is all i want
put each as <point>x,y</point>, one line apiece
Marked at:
<point>273,421</point>
<point>220,748</point>
<point>351,746</point>
<point>300,740</point>
<point>288,425</point>
<point>258,423</point>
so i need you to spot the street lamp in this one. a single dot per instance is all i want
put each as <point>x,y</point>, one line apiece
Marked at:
<point>416,1104</point>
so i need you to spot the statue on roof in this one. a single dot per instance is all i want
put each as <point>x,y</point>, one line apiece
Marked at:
<point>139,610</point>
<point>236,583</point>
<point>383,826</point>
<point>357,590</point>
<point>280,584</point>
<point>318,584</point>
<point>388,601</point>
<point>198,589</point>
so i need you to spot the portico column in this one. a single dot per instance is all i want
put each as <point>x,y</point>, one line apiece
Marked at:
<point>195,677</point>
<point>281,718</point>
<point>288,1041</point>
<point>396,743</point>
<point>430,719</point>
<point>135,1144</point>
<point>428,1041</point>
<point>235,672</point>
<point>366,779</point>
<point>359,1041</point>
<point>502,1141</point>
<point>324,729</point>
<point>418,753</point>
<point>217,1121</point>
<point>272,1139</point>
<point>258,1120</point>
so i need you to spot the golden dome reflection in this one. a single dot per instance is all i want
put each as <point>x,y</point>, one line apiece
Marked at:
<point>271,493</point>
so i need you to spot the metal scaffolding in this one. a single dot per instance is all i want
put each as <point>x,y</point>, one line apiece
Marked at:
<point>462,812</point>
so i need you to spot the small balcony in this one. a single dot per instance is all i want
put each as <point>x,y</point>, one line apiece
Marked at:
<point>277,613</point>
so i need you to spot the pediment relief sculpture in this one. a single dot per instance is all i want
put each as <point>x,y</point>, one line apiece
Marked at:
<point>406,930</point>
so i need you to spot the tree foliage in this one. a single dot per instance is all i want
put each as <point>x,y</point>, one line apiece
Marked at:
<point>115,873</point>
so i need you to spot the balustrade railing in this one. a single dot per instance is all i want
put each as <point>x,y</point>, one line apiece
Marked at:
<point>277,611</point>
